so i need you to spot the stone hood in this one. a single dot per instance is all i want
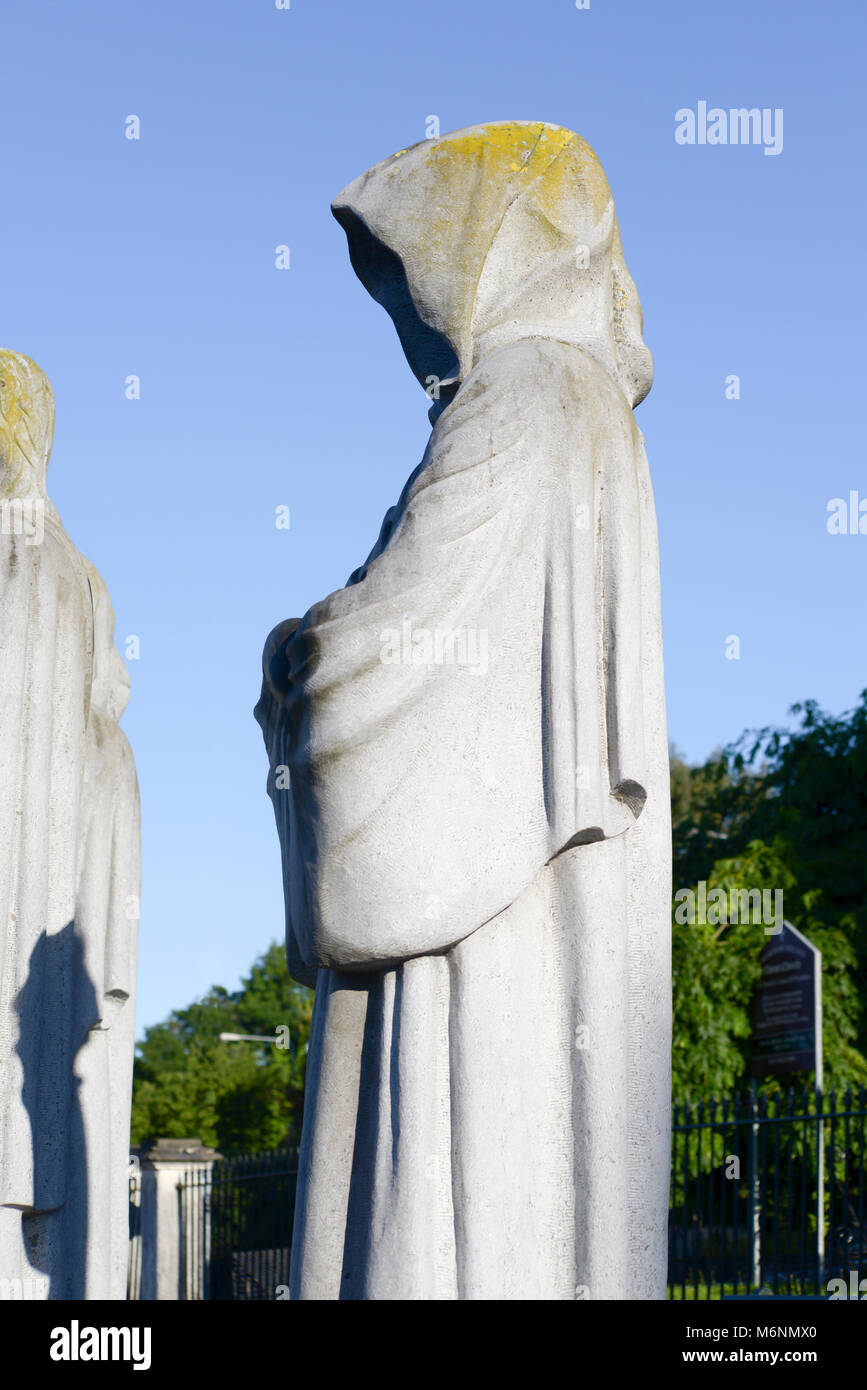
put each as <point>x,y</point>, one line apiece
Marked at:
<point>493,233</point>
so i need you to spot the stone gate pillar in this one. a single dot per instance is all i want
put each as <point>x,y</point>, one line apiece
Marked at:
<point>175,1227</point>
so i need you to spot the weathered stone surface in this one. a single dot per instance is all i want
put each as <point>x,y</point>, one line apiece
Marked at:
<point>69,885</point>
<point>469,767</point>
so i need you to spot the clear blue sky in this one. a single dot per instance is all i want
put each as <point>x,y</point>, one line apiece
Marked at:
<point>263,387</point>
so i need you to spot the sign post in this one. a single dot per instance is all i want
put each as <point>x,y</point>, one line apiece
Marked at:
<point>787,1036</point>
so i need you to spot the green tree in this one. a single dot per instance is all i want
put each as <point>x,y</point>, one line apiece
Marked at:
<point>715,967</point>
<point>784,809</point>
<point>237,1097</point>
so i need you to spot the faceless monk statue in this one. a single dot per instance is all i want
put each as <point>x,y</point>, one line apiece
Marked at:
<point>68,886</point>
<point>469,768</point>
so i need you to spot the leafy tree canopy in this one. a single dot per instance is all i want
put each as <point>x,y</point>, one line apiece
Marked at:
<point>780,810</point>
<point>239,1097</point>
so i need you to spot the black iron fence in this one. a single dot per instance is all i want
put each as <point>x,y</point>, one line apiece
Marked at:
<point>767,1195</point>
<point>235,1223</point>
<point>252,1206</point>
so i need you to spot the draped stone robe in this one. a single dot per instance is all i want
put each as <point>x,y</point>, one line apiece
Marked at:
<point>107,913</point>
<point>69,885</point>
<point>469,769</point>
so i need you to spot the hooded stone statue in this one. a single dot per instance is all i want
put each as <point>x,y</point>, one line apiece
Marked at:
<point>68,885</point>
<point>469,768</point>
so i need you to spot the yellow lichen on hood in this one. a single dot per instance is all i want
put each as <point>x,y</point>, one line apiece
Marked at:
<point>26,424</point>
<point>511,209</point>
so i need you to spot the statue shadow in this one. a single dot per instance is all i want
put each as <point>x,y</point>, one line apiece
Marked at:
<point>56,1007</point>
